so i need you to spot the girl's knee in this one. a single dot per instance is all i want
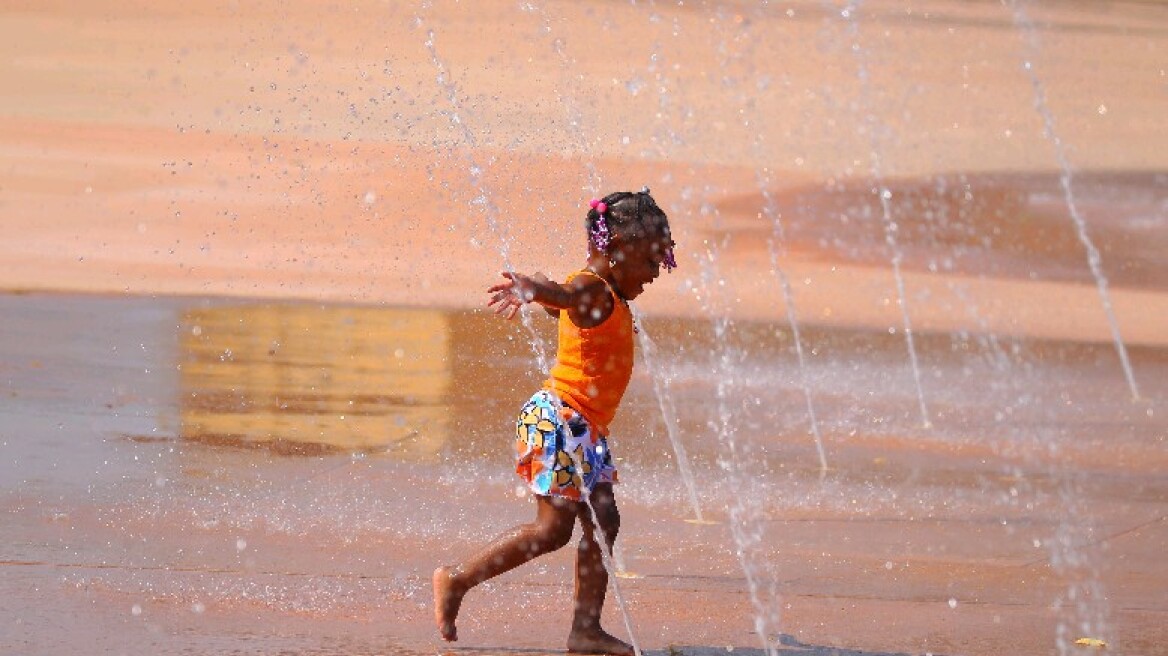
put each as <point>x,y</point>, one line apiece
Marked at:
<point>554,532</point>
<point>558,535</point>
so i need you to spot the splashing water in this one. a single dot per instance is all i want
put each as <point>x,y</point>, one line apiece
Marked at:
<point>575,113</point>
<point>661,383</point>
<point>773,247</point>
<point>483,199</point>
<point>885,194</point>
<point>745,526</point>
<point>1086,593</point>
<point>648,348</point>
<point>1066,181</point>
<point>744,522</point>
<point>770,209</point>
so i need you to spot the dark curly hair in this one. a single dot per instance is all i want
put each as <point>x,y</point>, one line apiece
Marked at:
<point>629,215</point>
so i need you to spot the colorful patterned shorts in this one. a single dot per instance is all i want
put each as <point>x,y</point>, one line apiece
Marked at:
<point>546,432</point>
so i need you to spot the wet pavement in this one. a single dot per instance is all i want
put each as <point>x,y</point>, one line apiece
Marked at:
<point>188,475</point>
<point>181,473</point>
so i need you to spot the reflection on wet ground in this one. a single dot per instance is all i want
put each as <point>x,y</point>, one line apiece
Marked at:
<point>414,383</point>
<point>187,469</point>
<point>425,384</point>
<point>310,378</point>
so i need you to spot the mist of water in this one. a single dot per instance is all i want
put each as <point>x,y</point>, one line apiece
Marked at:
<point>661,382</point>
<point>1084,593</point>
<point>745,523</point>
<point>1066,181</point>
<point>733,61</point>
<point>871,125</point>
<point>793,321</point>
<point>484,197</point>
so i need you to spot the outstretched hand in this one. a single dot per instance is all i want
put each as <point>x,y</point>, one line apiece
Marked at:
<point>508,296</point>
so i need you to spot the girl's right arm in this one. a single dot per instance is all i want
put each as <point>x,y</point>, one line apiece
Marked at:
<point>586,298</point>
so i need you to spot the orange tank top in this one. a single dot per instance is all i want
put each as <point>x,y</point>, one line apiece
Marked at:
<point>594,365</point>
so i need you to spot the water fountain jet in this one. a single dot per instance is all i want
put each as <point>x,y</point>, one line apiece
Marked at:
<point>876,168</point>
<point>1066,183</point>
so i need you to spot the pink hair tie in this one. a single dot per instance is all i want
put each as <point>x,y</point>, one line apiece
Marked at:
<point>600,206</point>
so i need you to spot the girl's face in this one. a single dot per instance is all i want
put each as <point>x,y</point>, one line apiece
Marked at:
<point>638,262</point>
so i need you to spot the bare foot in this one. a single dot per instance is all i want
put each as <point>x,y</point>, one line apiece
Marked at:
<point>447,599</point>
<point>596,641</point>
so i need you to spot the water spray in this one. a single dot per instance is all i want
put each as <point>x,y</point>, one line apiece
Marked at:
<point>669,414</point>
<point>1066,181</point>
<point>885,195</point>
<point>483,199</point>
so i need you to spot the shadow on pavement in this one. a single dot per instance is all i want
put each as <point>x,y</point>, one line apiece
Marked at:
<point>787,646</point>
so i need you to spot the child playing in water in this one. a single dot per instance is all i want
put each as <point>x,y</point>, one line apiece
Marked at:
<point>562,450</point>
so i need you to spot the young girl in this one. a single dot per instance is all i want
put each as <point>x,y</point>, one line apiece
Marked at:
<point>561,450</point>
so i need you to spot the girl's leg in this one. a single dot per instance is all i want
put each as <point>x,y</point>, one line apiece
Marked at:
<point>592,578</point>
<point>552,529</point>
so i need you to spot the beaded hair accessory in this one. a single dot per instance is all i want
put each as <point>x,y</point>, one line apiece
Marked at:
<point>599,233</point>
<point>670,263</point>
<point>601,237</point>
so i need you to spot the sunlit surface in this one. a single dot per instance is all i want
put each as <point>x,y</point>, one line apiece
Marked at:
<point>307,379</point>
<point>905,393</point>
<point>133,501</point>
